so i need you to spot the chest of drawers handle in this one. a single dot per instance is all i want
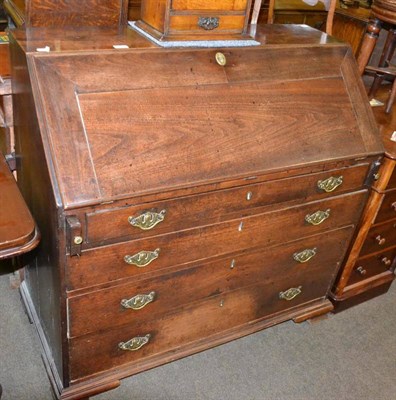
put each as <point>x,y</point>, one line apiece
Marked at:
<point>361,271</point>
<point>330,184</point>
<point>143,258</point>
<point>135,343</point>
<point>386,261</point>
<point>318,217</point>
<point>147,220</point>
<point>380,240</point>
<point>290,294</point>
<point>305,255</point>
<point>139,301</point>
<point>208,23</point>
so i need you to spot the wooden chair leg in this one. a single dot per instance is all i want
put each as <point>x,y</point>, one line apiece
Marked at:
<point>391,99</point>
<point>369,41</point>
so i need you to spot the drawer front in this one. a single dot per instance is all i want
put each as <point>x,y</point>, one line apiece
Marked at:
<point>209,5</point>
<point>174,332</point>
<point>139,257</point>
<point>371,266</point>
<point>388,208</point>
<point>150,298</point>
<point>215,24</point>
<point>380,237</point>
<point>177,214</point>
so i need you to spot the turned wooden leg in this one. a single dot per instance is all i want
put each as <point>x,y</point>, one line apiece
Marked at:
<point>386,56</point>
<point>391,99</point>
<point>369,41</point>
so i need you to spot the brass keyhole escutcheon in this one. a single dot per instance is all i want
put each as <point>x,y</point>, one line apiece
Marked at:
<point>221,59</point>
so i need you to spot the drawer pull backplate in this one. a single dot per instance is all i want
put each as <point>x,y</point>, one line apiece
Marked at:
<point>142,258</point>
<point>147,220</point>
<point>305,255</point>
<point>330,184</point>
<point>318,217</point>
<point>208,23</point>
<point>139,301</point>
<point>290,294</point>
<point>134,344</point>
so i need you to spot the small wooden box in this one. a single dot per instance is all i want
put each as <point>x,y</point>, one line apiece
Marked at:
<point>165,18</point>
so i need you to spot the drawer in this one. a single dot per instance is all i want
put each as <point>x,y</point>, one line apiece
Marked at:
<point>388,208</point>
<point>209,5</point>
<point>380,237</point>
<point>371,266</point>
<point>150,298</point>
<point>177,331</point>
<point>196,23</point>
<point>152,255</point>
<point>209,208</point>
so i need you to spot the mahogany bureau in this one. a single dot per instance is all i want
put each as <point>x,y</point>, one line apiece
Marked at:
<point>182,203</point>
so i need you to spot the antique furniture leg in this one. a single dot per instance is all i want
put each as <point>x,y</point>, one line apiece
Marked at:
<point>369,41</point>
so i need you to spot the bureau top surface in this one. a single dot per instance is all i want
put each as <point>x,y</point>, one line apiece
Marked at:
<point>124,123</point>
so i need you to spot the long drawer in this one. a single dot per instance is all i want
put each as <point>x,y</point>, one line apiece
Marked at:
<point>150,298</point>
<point>379,238</point>
<point>171,332</point>
<point>139,257</point>
<point>151,219</point>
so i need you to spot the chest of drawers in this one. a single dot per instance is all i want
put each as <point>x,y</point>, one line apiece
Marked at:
<point>182,203</point>
<point>370,265</point>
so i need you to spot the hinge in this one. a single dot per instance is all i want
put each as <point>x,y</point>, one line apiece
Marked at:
<point>74,235</point>
<point>373,173</point>
<point>11,161</point>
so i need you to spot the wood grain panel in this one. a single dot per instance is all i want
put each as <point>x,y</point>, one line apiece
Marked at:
<point>102,265</point>
<point>141,126</point>
<point>76,13</point>
<point>232,5</point>
<point>234,23</point>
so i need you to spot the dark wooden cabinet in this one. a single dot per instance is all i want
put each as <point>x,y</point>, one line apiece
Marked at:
<point>370,266</point>
<point>182,203</point>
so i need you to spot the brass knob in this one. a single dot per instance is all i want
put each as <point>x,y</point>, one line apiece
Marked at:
<point>221,59</point>
<point>380,240</point>
<point>77,240</point>
<point>386,261</point>
<point>361,271</point>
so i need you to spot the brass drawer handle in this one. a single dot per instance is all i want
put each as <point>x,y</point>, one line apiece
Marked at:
<point>147,220</point>
<point>386,261</point>
<point>318,217</point>
<point>135,343</point>
<point>290,294</point>
<point>393,205</point>
<point>380,240</point>
<point>305,255</point>
<point>142,258</point>
<point>139,301</point>
<point>208,23</point>
<point>361,271</point>
<point>330,184</point>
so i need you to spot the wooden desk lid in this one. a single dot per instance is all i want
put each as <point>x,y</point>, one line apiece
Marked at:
<point>18,232</point>
<point>134,122</point>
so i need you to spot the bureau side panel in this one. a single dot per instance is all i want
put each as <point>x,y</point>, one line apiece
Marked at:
<point>43,274</point>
